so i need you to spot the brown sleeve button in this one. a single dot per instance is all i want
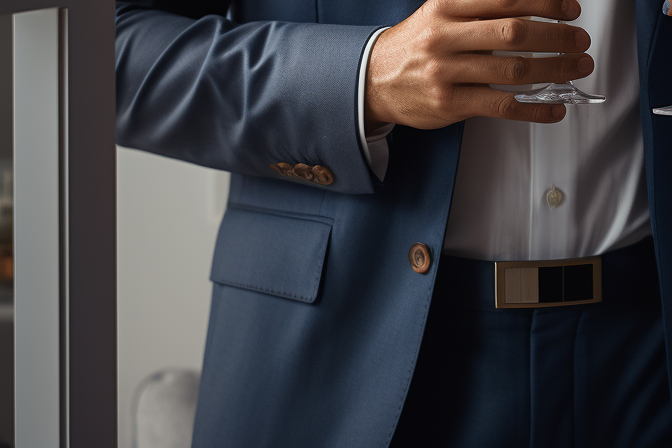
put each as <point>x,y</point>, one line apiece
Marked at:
<point>285,169</point>
<point>322,175</point>
<point>419,258</point>
<point>275,167</point>
<point>303,171</point>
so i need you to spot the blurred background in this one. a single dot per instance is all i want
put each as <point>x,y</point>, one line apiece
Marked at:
<point>6,276</point>
<point>168,213</point>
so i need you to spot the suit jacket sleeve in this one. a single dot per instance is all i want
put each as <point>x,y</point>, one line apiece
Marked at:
<point>195,86</point>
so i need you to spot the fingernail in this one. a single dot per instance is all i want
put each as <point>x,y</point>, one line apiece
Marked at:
<point>666,8</point>
<point>585,65</point>
<point>582,39</point>
<point>557,111</point>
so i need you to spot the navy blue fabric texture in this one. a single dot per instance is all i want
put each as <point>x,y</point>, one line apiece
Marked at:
<point>277,83</point>
<point>335,372</point>
<point>298,245</point>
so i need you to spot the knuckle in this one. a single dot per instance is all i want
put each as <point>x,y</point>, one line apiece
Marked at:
<point>433,70</point>
<point>437,98</point>
<point>429,40</point>
<point>441,99</point>
<point>565,36</point>
<point>512,31</point>
<point>516,69</point>
<point>506,107</point>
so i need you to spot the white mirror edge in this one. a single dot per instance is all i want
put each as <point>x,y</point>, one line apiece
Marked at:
<point>38,139</point>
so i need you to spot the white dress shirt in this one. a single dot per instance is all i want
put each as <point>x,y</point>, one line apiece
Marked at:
<point>594,157</point>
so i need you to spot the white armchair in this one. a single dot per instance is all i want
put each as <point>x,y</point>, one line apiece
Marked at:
<point>164,409</point>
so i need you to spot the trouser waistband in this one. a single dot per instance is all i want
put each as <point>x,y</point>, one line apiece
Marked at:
<point>627,273</point>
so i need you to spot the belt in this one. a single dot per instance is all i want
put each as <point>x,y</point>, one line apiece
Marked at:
<point>614,276</point>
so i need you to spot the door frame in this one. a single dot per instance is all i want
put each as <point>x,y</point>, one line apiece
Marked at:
<point>87,246</point>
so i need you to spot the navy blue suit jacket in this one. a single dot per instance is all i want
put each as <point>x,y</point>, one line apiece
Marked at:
<point>317,316</point>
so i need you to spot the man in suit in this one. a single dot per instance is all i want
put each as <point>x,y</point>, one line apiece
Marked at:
<point>331,248</point>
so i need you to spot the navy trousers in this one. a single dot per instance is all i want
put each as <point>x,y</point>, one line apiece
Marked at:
<point>576,376</point>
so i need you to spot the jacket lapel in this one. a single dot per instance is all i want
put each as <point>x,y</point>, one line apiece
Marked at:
<point>654,42</point>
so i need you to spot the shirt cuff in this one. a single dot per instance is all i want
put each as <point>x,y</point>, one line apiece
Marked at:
<point>374,145</point>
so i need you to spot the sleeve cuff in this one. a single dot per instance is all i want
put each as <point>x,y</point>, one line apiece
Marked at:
<point>374,146</point>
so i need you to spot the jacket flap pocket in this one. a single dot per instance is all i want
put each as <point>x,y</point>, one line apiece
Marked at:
<point>271,253</point>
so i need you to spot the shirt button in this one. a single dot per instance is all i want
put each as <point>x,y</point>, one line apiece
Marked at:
<point>553,197</point>
<point>419,258</point>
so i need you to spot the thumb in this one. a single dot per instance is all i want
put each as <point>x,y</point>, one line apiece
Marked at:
<point>667,10</point>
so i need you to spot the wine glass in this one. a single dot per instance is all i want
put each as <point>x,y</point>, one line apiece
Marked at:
<point>559,93</point>
<point>663,110</point>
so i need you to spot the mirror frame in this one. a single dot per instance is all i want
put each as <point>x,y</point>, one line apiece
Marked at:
<point>88,358</point>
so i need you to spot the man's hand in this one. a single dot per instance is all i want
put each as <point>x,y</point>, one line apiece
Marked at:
<point>432,69</point>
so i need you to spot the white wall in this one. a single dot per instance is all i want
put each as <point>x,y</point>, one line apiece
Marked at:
<point>168,215</point>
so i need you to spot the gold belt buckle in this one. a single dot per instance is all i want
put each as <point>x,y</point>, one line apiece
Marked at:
<point>546,283</point>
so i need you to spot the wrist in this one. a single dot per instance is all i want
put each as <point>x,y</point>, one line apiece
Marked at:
<point>372,123</point>
<point>375,110</point>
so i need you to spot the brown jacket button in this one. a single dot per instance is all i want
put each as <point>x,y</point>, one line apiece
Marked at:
<point>303,171</point>
<point>322,175</point>
<point>419,258</point>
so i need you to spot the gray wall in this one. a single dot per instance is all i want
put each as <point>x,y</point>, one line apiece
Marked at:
<point>168,213</point>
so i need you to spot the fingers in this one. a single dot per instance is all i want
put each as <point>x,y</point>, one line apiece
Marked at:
<point>486,69</point>
<point>552,9</point>
<point>516,35</point>
<point>486,102</point>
